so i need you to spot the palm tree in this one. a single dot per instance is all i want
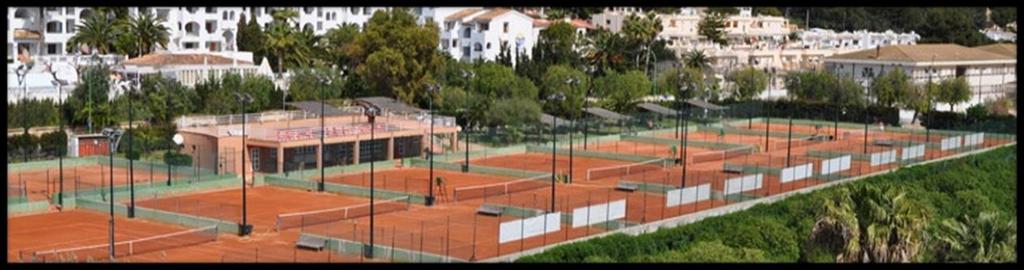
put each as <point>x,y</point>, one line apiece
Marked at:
<point>642,31</point>
<point>603,50</point>
<point>987,238</point>
<point>95,31</point>
<point>870,225</point>
<point>148,33</point>
<point>285,15</point>
<point>697,59</point>
<point>280,39</point>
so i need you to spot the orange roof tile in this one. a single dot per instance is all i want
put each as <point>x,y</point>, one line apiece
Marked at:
<point>161,59</point>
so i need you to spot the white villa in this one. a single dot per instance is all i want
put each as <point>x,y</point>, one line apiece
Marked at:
<point>989,70</point>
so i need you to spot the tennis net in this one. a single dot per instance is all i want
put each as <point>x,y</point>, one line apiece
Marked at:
<point>302,219</point>
<point>623,170</point>
<point>482,191</point>
<point>128,248</point>
<point>722,155</point>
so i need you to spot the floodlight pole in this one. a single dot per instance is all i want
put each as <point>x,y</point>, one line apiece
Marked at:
<point>371,113</point>
<point>243,229</point>
<point>682,160</point>
<point>320,186</point>
<point>169,112</point>
<point>131,166</point>
<point>431,89</point>
<point>21,72</point>
<point>767,123</point>
<point>554,141</point>
<point>60,151</point>
<point>789,139</point>
<point>112,140</point>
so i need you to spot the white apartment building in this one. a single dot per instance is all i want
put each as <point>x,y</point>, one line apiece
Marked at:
<point>989,70</point>
<point>817,38</point>
<point>477,33</point>
<point>680,30</point>
<point>46,30</point>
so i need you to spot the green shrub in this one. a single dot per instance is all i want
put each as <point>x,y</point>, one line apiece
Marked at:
<point>177,159</point>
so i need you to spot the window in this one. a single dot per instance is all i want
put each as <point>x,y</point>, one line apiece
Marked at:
<point>52,48</point>
<point>429,19</point>
<point>478,47</point>
<point>54,27</point>
<point>308,10</point>
<point>466,32</point>
<point>449,25</point>
<point>319,13</point>
<point>488,45</point>
<point>69,10</point>
<point>191,45</point>
<point>465,51</point>
<point>51,9</point>
<point>444,44</point>
<point>225,16</point>
<point>961,71</point>
<point>504,27</point>
<point>868,73</point>
<point>354,10</point>
<point>255,159</point>
<point>366,11</point>
<point>211,26</point>
<point>483,27</point>
<point>672,23</point>
<point>455,42</point>
<point>213,46</point>
<point>71,25</point>
<point>319,25</point>
<point>192,10</point>
<point>257,11</point>
<point>161,14</point>
<point>211,10</point>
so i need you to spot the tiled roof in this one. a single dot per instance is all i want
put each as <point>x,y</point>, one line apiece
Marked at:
<point>161,59</point>
<point>1000,48</point>
<point>461,14</point>
<point>27,34</point>
<point>922,53</point>
<point>490,14</point>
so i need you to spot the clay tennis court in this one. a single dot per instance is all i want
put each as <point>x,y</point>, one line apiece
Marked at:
<point>541,162</point>
<point>42,183</point>
<point>757,141</point>
<point>415,180</point>
<point>78,228</point>
<point>265,203</point>
<point>651,149</point>
<point>457,230</point>
<point>798,129</point>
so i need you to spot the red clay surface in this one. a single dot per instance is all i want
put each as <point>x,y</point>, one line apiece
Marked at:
<point>541,162</point>
<point>415,180</point>
<point>40,184</point>
<point>76,229</point>
<point>264,204</point>
<point>650,149</point>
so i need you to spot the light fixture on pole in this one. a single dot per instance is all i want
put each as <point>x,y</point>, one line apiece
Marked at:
<point>113,139</point>
<point>467,75</point>
<point>61,76</point>
<point>557,97</point>
<point>684,89</point>
<point>324,82</point>
<point>128,87</point>
<point>572,82</point>
<point>244,228</point>
<point>371,115</point>
<point>22,71</point>
<point>590,70</point>
<point>432,90</point>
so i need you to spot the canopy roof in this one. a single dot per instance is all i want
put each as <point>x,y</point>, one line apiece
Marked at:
<point>655,108</point>
<point>386,104</point>
<point>606,114</point>
<point>547,119</point>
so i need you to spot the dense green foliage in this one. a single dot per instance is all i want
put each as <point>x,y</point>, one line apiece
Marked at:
<point>779,232</point>
<point>748,83</point>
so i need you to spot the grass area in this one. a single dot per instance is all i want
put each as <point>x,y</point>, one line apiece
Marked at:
<point>780,232</point>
